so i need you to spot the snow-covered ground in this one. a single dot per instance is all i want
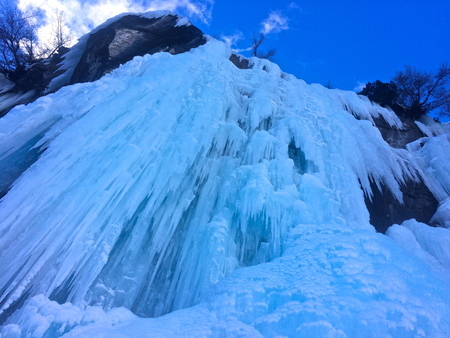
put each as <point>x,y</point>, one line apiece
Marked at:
<point>228,202</point>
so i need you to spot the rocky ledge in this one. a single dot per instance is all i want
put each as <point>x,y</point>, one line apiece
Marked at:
<point>106,49</point>
<point>131,36</point>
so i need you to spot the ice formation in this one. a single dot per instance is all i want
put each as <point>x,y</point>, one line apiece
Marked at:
<point>223,202</point>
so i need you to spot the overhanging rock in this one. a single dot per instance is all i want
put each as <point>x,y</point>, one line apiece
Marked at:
<point>385,210</point>
<point>132,36</point>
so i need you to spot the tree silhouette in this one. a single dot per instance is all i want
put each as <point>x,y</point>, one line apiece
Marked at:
<point>258,40</point>
<point>383,93</point>
<point>413,93</point>
<point>422,92</point>
<point>60,36</point>
<point>17,40</point>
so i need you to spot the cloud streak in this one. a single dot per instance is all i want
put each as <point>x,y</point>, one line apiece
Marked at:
<point>274,23</point>
<point>360,86</point>
<point>200,9</point>
<point>82,16</point>
<point>231,40</point>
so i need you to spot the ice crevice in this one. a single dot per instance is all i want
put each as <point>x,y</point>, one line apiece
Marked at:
<point>184,187</point>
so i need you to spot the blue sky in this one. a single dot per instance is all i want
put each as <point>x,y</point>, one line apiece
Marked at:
<point>344,43</point>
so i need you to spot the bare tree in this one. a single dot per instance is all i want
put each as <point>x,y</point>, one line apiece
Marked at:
<point>61,37</point>
<point>258,40</point>
<point>17,39</point>
<point>30,42</point>
<point>422,92</point>
<point>445,111</point>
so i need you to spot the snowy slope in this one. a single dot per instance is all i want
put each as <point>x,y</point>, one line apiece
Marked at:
<point>237,196</point>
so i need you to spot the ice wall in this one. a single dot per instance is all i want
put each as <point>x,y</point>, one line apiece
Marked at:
<point>164,177</point>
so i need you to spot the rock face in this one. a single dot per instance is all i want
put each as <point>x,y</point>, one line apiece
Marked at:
<point>131,36</point>
<point>399,138</point>
<point>107,49</point>
<point>239,61</point>
<point>418,203</point>
<point>30,84</point>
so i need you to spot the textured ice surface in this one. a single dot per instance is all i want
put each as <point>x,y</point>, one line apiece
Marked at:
<point>431,128</point>
<point>430,244</point>
<point>233,199</point>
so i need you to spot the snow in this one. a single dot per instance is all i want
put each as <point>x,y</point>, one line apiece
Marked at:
<point>430,156</point>
<point>428,243</point>
<point>223,202</point>
<point>432,128</point>
<point>183,22</point>
<point>442,214</point>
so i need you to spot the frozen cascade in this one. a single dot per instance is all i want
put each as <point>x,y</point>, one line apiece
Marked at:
<point>183,180</point>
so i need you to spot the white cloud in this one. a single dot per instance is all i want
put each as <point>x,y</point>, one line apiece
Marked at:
<point>293,5</point>
<point>275,22</point>
<point>231,40</point>
<point>359,87</point>
<point>201,9</point>
<point>82,16</point>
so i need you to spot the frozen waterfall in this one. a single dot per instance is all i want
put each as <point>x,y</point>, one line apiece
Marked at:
<point>226,201</point>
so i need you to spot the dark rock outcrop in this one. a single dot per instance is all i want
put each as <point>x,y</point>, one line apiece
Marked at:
<point>418,201</point>
<point>240,61</point>
<point>131,36</point>
<point>385,210</point>
<point>399,138</point>
<point>41,72</point>
<point>29,84</point>
<point>105,50</point>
